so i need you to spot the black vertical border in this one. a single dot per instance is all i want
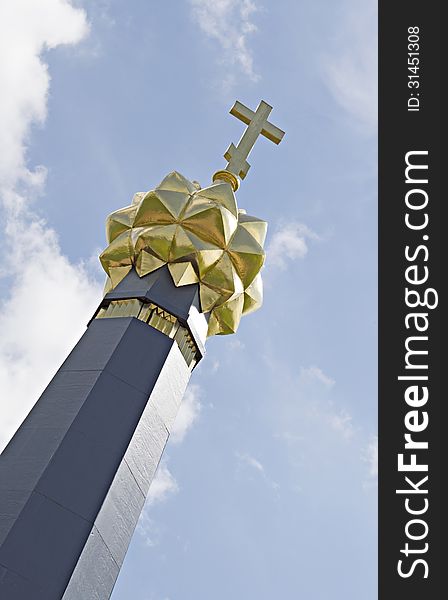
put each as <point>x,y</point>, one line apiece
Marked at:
<point>401,131</point>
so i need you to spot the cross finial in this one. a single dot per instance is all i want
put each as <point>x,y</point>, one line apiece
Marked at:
<point>257,123</point>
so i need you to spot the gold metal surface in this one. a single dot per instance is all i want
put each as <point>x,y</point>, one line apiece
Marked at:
<point>202,237</point>
<point>120,308</point>
<point>257,124</point>
<point>199,233</point>
<point>227,176</point>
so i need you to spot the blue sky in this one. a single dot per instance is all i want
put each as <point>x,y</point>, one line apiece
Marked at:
<point>268,489</point>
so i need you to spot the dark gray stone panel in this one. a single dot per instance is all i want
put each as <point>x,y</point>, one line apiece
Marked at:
<point>79,475</point>
<point>97,345</point>
<point>15,587</point>
<point>81,471</point>
<point>26,457</point>
<point>125,347</point>
<point>140,356</point>
<point>110,413</point>
<point>12,502</point>
<point>119,513</point>
<point>28,453</point>
<point>95,574</point>
<point>158,287</point>
<point>47,557</point>
<point>62,399</point>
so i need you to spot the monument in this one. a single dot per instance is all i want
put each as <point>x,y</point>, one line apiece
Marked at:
<point>183,263</point>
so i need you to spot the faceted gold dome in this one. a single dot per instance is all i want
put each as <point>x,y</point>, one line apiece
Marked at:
<point>202,237</point>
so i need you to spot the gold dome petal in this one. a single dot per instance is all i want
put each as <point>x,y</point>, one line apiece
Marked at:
<point>117,274</point>
<point>256,227</point>
<point>208,298</point>
<point>205,253</point>
<point>183,273</point>
<point>210,222</point>
<point>253,296</point>
<point>153,211</point>
<point>221,193</point>
<point>138,197</point>
<point>147,263</point>
<point>119,221</point>
<point>225,319</point>
<point>182,245</point>
<point>157,240</point>
<point>206,258</point>
<point>175,202</point>
<point>246,254</point>
<point>199,243</point>
<point>119,253</point>
<point>108,286</point>
<point>175,182</point>
<point>224,278</point>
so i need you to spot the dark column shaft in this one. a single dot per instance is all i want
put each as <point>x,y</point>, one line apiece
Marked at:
<point>74,478</point>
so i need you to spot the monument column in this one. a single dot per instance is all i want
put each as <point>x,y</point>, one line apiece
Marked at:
<point>74,478</point>
<point>182,263</point>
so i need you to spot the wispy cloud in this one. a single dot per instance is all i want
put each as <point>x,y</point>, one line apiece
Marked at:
<point>338,419</point>
<point>288,243</point>
<point>162,487</point>
<point>235,345</point>
<point>370,457</point>
<point>229,22</point>
<point>188,413</point>
<point>308,405</point>
<point>342,422</point>
<point>248,461</point>
<point>315,373</point>
<point>372,454</point>
<point>351,69</point>
<point>49,299</point>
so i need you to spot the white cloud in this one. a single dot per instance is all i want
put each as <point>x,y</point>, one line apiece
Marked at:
<point>188,413</point>
<point>49,299</point>
<point>342,423</point>
<point>288,243</point>
<point>235,344</point>
<point>229,23</point>
<point>351,69</point>
<point>252,463</point>
<point>163,485</point>
<point>307,404</point>
<point>337,419</point>
<point>370,456</point>
<point>27,28</point>
<point>315,373</point>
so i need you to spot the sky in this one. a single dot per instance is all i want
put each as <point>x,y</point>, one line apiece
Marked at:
<point>268,487</point>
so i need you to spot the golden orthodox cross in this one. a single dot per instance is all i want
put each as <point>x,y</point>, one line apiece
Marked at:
<point>257,123</point>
